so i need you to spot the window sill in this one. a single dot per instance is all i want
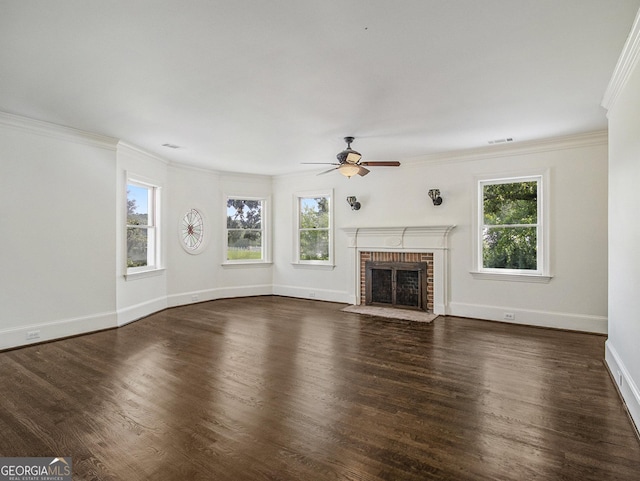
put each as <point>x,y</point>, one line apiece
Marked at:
<point>496,276</point>
<point>132,276</point>
<point>305,265</point>
<point>246,264</point>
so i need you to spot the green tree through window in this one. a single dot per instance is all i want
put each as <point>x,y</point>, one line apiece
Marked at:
<point>138,224</point>
<point>313,233</point>
<point>244,229</point>
<point>510,225</point>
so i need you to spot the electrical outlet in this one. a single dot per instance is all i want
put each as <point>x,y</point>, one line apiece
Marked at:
<point>619,379</point>
<point>312,294</point>
<point>509,316</point>
<point>31,335</point>
<point>195,297</point>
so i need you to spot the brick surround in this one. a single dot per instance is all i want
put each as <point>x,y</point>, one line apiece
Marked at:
<point>426,257</point>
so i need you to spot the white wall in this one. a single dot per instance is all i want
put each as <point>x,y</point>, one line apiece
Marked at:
<point>62,214</point>
<point>313,282</point>
<point>201,277</point>
<point>186,278</point>
<point>623,102</point>
<point>58,228</point>
<point>139,296</point>
<point>61,177</point>
<point>576,297</point>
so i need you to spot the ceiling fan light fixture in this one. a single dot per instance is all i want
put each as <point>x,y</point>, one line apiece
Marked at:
<point>349,170</point>
<point>349,155</point>
<point>352,156</point>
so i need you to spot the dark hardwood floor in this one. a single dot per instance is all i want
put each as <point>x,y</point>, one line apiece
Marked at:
<point>272,388</point>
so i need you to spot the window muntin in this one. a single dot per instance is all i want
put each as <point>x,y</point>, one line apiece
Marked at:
<point>314,229</point>
<point>246,240</point>
<point>142,226</point>
<point>511,237</point>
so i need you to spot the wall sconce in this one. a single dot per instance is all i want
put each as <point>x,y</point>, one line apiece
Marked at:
<point>353,202</point>
<point>435,196</point>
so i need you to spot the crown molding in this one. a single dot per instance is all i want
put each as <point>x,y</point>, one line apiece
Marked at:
<point>222,175</point>
<point>60,132</point>
<point>587,139</point>
<point>181,166</point>
<point>136,151</point>
<point>244,177</point>
<point>626,64</point>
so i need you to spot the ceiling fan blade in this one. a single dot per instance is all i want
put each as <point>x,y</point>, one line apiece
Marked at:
<point>327,171</point>
<point>323,163</point>
<point>362,172</point>
<point>383,163</point>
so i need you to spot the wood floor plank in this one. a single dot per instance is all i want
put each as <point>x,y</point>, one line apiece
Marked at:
<point>272,388</point>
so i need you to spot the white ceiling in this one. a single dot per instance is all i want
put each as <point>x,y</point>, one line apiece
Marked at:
<point>262,85</point>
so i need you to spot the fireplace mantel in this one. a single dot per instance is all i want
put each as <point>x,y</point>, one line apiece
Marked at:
<point>415,237</point>
<point>432,239</point>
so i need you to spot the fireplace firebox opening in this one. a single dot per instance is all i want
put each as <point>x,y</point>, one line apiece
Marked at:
<point>401,257</point>
<point>396,284</point>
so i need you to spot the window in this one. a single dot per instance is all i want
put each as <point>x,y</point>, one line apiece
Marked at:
<point>142,227</point>
<point>314,229</point>
<point>511,229</point>
<point>246,239</point>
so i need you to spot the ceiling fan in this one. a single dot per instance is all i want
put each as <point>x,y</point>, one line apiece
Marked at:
<point>349,162</point>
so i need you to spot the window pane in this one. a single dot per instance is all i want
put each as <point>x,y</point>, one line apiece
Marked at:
<point>509,248</point>
<point>137,205</point>
<point>314,245</point>
<point>514,203</point>
<point>136,247</point>
<point>314,213</point>
<point>244,244</point>
<point>244,214</point>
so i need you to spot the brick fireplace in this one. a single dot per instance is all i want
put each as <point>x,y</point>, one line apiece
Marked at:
<point>420,263</point>
<point>426,245</point>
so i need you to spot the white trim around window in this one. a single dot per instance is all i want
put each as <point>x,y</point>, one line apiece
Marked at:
<point>143,224</point>
<point>324,230</point>
<point>542,271</point>
<point>262,231</point>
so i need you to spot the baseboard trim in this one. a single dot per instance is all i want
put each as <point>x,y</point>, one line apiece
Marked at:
<point>51,331</point>
<point>185,298</point>
<point>314,294</point>
<point>555,320</point>
<point>138,311</point>
<point>627,388</point>
<point>17,337</point>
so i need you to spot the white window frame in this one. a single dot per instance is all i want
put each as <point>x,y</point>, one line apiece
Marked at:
<point>265,222</point>
<point>543,272</point>
<point>154,257</point>
<point>329,263</point>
